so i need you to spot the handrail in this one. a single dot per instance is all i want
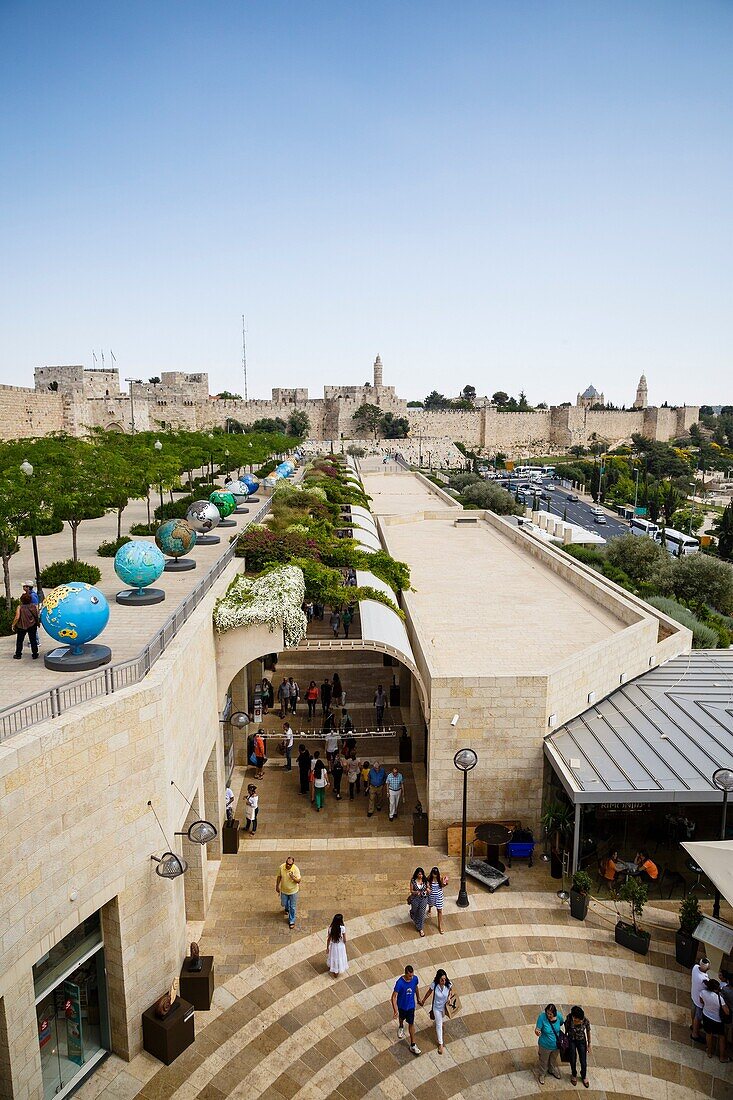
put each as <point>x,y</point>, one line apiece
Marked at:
<point>106,681</point>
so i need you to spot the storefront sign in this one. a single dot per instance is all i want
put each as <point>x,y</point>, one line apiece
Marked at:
<point>625,807</point>
<point>258,704</point>
<point>72,1011</point>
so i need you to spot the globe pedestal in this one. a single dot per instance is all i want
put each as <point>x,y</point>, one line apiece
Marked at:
<point>179,565</point>
<point>240,511</point>
<point>253,500</point>
<point>226,523</point>
<point>81,658</point>
<point>140,597</point>
<point>207,540</point>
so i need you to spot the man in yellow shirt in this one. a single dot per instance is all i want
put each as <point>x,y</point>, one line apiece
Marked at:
<point>287,886</point>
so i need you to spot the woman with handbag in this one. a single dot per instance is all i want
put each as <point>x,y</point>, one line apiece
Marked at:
<point>549,1031</point>
<point>715,1015</point>
<point>577,1026</point>
<point>418,899</point>
<point>442,991</point>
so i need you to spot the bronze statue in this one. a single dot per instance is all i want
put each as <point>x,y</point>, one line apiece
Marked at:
<point>195,962</point>
<point>163,1006</point>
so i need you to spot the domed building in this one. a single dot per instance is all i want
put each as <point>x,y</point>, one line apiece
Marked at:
<point>590,398</point>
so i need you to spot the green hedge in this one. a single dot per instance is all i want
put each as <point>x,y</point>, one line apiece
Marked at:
<point>6,618</point>
<point>176,509</point>
<point>143,529</point>
<point>109,549</point>
<point>703,637</point>
<point>61,572</point>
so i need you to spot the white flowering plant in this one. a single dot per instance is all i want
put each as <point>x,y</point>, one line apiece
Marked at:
<point>275,598</point>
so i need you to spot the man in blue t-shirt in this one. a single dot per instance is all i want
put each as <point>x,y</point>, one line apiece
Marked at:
<point>377,779</point>
<point>404,998</point>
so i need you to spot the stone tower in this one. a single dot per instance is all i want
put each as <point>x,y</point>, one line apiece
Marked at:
<point>642,396</point>
<point>378,371</point>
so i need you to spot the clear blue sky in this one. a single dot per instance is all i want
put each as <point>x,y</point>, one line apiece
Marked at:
<point>515,194</point>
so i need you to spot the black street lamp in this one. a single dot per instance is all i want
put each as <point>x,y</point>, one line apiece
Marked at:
<point>464,760</point>
<point>211,458</point>
<point>27,470</point>
<point>159,447</point>
<point>226,457</point>
<point>723,780</point>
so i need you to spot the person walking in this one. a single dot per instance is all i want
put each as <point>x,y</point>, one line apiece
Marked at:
<point>714,1018</point>
<point>30,589</point>
<point>436,882</point>
<point>577,1026</point>
<point>404,996</point>
<point>25,621</point>
<point>698,977</point>
<point>320,782</point>
<point>229,801</point>
<point>332,745</point>
<point>337,772</point>
<point>336,958</point>
<point>325,696</point>
<point>365,769</point>
<point>377,778</point>
<point>303,761</point>
<point>259,751</point>
<point>337,691</point>
<point>311,698</point>
<point>347,726</point>
<point>283,697</point>
<point>335,622</point>
<point>441,988</point>
<point>395,786</point>
<point>287,885</point>
<point>418,899</point>
<point>380,702</point>
<point>267,693</point>
<point>294,694</point>
<point>288,739</point>
<point>347,620</point>
<point>547,1029</point>
<point>353,774</point>
<point>251,810</point>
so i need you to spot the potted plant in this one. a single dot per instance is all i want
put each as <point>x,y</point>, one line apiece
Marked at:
<point>556,820</point>
<point>580,895</point>
<point>636,939</point>
<point>685,944</point>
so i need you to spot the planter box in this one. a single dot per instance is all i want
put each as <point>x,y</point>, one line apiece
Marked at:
<point>555,864</point>
<point>166,1039</point>
<point>635,941</point>
<point>686,949</point>
<point>230,838</point>
<point>579,905</point>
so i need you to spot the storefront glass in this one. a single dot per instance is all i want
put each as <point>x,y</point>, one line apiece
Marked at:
<point>71,1008</point>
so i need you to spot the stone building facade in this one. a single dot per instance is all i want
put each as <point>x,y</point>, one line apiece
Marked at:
<point>76,400</point>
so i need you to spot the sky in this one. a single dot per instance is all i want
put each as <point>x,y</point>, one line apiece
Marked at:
<point>510,195</point>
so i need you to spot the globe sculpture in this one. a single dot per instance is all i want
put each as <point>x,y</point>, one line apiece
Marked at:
<point>139,564</point>
<point>176,538</point>
<point>251,482</point>
<point>75,613</point>
<point>240,492</point>
<point>225,503</point>
<point>204,517</point>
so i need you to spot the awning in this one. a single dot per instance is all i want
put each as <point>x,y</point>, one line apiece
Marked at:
<point>658,738</point>
<point>716,859</point>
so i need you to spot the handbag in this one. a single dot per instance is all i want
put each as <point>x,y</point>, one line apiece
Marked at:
<point>432,1007</point>
<point>253,759</point>
<point>452,1006</point>
<point>563,1044</point>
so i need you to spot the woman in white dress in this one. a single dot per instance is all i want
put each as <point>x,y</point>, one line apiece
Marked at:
<point>441,991</point>
<point>336,947</point>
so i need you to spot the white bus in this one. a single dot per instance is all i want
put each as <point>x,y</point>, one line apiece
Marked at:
<point>533,472</point>
<point>641,526</point>
<point>678,543</point>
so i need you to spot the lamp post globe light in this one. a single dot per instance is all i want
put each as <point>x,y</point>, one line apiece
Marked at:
<point>723,780</point>
<point>26,469</point>
<point>464,760</point>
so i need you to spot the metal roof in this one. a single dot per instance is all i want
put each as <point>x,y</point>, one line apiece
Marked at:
<point>658,738</point>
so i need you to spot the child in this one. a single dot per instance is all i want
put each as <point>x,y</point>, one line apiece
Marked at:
<point>365,768</point>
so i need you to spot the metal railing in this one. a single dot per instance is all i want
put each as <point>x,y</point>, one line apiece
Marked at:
<point>106,681</point>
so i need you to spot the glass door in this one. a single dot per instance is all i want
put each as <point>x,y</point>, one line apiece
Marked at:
<point>73,1026</point>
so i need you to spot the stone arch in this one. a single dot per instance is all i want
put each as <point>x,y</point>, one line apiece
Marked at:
<point>114,426</point>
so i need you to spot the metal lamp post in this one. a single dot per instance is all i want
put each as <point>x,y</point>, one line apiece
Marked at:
<point>723,780</point>
<point>226,460</point>
<point>211,459</point>
<point>159,447</point>
<point>464,760</point>
<point>27,470</point>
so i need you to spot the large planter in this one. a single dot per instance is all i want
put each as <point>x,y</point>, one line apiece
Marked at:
<point>555,864</point>
<point>636,940</point>
<point>579,905</point>
<point>686,949</point>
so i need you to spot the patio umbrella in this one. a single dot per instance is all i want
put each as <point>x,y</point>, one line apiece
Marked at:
<point>716,859</point>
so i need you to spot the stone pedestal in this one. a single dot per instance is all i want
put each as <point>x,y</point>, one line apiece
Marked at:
<point>230,838</point>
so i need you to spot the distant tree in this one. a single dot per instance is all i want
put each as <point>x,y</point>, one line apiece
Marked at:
<point>394,427</point>
<point>500,398</point>
<point>468,393</point>
<point>483,494</point>
<point>578,450</point>
<point>355,451</point>
<point>368,418</point>
<point>565,404</point>
<point>695,433</point>
<point>81,491</point>
<point>225,395</point>
<point>724,531</point>
<point>299,424</point>
<point>436,400</point>
<point>269,425</point>
<point>523,405</point>
<point>155,380</point>
<point>541,405</point>
<point>700,579</point>
<point>415,405</point>
<point>643,560</point>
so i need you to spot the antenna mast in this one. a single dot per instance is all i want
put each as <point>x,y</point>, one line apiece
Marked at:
<point>244,358</point>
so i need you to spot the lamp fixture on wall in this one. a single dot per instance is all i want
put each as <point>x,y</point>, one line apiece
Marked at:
<point>199,831</point>
<point>169,864</point>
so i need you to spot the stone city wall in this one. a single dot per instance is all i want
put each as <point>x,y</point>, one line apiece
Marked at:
<point>24,413</point>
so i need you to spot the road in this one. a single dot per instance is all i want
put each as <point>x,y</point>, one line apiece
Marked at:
<point>580,512</point>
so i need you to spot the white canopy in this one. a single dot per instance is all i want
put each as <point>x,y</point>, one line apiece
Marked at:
<point>716,859</point>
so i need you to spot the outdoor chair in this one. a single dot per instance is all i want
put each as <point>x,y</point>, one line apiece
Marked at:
<point>672,878</point>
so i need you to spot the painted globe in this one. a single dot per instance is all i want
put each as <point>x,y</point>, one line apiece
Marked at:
<point>224,501</point>
<point>203,516</point>
<point>139,564</point>
<point>251,482</point>
<point>238,489</point>
<point>175,538</point>
<point>74,613</point>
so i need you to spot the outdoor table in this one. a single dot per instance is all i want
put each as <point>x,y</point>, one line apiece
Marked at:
<point>696,869</point>
<point>493,836</point>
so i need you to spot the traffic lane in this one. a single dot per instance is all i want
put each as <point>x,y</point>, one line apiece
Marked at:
<point>581,513</point>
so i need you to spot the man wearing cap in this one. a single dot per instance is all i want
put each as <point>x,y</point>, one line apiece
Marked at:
<point>30,589</point>
<point>697,980</point>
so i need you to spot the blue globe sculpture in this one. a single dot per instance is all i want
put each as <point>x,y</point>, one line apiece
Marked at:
<point>239,490</point>
<point>175,538</point>
<point>251,482</point>
<point>74,613</point>
<point>139,564</point>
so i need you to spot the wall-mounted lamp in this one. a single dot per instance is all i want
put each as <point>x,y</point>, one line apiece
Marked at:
<point>199,831</point>
<point>169,865</point>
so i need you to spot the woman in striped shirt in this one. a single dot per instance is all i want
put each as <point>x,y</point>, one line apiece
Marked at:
<point>436,882</point>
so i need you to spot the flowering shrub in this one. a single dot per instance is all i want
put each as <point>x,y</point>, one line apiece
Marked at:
<point>258,546</point>
<point>275,598</point>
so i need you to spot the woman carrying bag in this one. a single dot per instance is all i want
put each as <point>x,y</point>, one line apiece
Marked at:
<point>443,994</point>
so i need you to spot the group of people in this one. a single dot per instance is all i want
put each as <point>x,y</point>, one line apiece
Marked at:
<point>426,893</point>
<point>613,870</point>
<point>567,1038</point>
<point>712,1009</point>
<point>317,775</point>
<point>406,997</point>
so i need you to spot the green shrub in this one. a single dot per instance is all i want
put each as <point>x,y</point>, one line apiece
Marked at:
<point>582,882</point>
<point>143,529</point>
<point>266,470</point>
<point>6,618</point>
<point>703,637</point>
<point>61,572</point>
<point>690,914</point>
<point>176,509</point>
<point>109,549</point>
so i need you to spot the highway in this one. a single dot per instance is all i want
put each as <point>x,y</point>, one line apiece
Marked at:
<point>579,512</point>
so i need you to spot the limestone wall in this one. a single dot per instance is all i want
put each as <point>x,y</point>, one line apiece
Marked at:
<point>24,413</point>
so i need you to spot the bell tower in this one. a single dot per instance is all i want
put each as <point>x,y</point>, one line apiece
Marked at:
<point>378,372</point>
<point>642,395</point>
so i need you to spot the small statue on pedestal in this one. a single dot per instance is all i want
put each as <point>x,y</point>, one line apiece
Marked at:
<point>195,964</point>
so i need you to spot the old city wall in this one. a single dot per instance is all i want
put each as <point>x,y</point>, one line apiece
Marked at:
<point>26,413</point>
